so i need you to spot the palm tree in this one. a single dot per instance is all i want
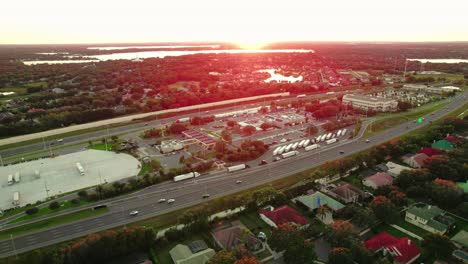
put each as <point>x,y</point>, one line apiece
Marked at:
<point>322,212</point>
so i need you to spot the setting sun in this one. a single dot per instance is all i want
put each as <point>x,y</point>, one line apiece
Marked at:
<point>251,45</point>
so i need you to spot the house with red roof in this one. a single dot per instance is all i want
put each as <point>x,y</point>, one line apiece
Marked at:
<point>378,180</point>
<point>453,139</point>
<point>431,151</point>
<point>402,249</point>
<point>283,215</point>
<point>415,161</point>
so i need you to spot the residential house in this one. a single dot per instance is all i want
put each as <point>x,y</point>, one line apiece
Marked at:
<point>461,239</point>
<point>197,252</point>
<point>416,160</point>
<point>443,145</point>
<point>395,169</point>
<point>402,249</point>
<point>381,167</point>
<point>57,90</point>
<point>283,215</point>
<point>5,116</point>
<point>430,218</point>
<point>317,199</point>
<point>234,236</point>
<point>378,180</point>
<point>347,193</point>
<point>453,139</point>
<point>430,151</point>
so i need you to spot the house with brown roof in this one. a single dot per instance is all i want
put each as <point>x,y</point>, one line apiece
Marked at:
<point>235,235</point>
<point>347,193</point>
<point>378,180</point>
<point>416,160</point>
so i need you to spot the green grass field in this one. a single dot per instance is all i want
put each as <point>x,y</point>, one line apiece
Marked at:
<point>102,147</point>
<point>63,219</point>
<point>254,223</point>
<point>448,76</point>
<point>397,119</point>
<point>46,210</point>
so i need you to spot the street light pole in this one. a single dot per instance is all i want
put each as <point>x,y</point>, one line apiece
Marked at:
<point>14,246</point>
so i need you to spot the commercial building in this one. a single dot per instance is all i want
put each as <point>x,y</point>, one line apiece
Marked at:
<point>370,103</point>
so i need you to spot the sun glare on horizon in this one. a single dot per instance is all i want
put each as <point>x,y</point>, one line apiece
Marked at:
<point>251,45</point>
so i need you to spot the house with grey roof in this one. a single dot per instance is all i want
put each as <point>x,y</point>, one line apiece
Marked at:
<point>430,218</point>
<point>196,252</point>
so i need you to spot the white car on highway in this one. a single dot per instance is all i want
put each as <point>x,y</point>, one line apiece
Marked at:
<point>170,201</point>
<point>162,200</point>
<point>133,213</point>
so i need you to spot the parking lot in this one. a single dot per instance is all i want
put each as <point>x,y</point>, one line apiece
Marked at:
<point>49,177</point>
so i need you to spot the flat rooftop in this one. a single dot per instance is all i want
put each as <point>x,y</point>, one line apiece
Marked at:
<point>60,175</point>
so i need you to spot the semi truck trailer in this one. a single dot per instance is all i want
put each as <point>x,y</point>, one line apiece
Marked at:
<point>289,154</point>
<point>186,176</point>
<point>237,168</point>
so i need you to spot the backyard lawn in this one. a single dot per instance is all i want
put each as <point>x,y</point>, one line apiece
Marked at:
<point>253,222</point>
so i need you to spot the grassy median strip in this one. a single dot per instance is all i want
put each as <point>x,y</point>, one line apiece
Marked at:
<point>46,210</point>
<point>63,219</point>
<point>398,119</point>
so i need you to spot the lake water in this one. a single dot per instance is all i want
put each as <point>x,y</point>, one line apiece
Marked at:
<point>440,60</point>
<point>162,54</point>
<point>154,47</point>
<point>280,78</point>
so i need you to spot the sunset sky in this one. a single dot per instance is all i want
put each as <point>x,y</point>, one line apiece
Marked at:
<point>245,21</point>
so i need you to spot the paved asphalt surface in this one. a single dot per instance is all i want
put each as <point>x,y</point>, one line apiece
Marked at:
<point>190,192</point>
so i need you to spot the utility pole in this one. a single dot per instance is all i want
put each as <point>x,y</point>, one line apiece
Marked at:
<point>43,141</point>
<point>14,246</point>
<point>404,73</point>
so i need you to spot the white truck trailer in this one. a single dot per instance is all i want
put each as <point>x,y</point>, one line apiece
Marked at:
<point>312,147</point>
<point>80,168</point>
<point>288,148</point>
<point>338,134</point>
<point>289,154</point>
<point>10,179</point>
<point>186,176</point>
<point>281,150</point>
<point>329,135</point>
<point>323,137</point>
<point>301,144</point>
<point>343,132</point>
<point>275,152</point>
<point>294,146</point>
<point>331,141</point>
<point>16,198</point>
<point>306,143</point>
<point>236,168</point>
<point>17,177</point>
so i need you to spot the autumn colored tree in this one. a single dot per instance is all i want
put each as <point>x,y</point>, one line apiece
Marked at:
<point>311,130</point>
<point>384,209</point>
<point>249,130</point>
<point>222,257</point>
<point>247,260</point>
<point>340,256</point>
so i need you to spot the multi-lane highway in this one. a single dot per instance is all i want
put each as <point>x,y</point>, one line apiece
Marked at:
<point>85,137</point>
<point>190,192</point>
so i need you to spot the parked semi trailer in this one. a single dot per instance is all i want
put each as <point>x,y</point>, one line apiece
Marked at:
<point>289,154</point>
<point>275,152</point>
<point>17,177</point>
<point>80,168</point>
<point>16,198</point>
<point>294,146</point>
<point>186,176</point>
<point>338,134</point>
<point>343,132</point>
<point>306,143</point>
<point>281,150</point>
<point>329,135</point>
<point>10,179</point>
<point>312,147</point>
<point>331,141</point>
